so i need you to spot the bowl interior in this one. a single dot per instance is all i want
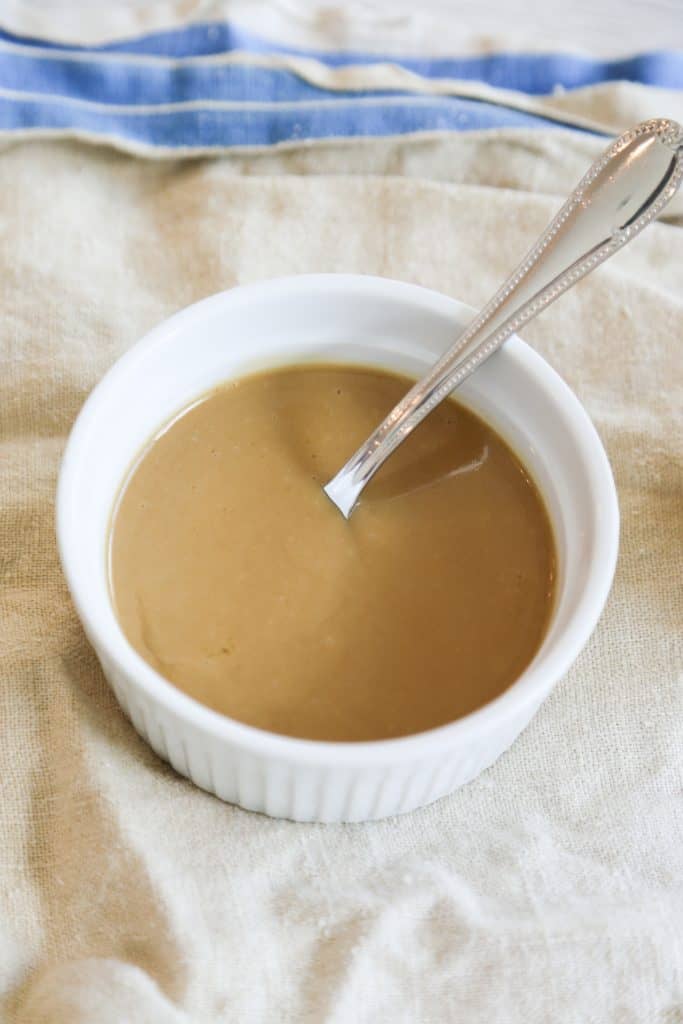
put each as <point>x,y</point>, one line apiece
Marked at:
<point>350,320</point>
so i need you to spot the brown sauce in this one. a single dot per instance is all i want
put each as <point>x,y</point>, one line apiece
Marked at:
<point>237,579</point>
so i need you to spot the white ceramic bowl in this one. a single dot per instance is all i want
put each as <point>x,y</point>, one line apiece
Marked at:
<point>346,319</point>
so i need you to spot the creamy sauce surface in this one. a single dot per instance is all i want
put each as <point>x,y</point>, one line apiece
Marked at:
<point>234,575</point>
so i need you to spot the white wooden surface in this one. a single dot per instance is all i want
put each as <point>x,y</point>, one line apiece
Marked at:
<point>606,27</point>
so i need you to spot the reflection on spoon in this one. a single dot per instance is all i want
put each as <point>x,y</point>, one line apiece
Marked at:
<point>389,493</point>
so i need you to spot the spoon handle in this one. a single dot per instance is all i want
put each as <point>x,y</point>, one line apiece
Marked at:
<point>625,189</point>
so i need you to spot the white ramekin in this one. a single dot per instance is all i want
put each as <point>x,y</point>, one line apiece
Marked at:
<point>343,319</point>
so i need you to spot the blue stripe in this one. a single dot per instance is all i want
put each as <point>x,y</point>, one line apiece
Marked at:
<point>211,128</point>
<point>271,105</point>
<point>536,74</point>
<point>129,82</point>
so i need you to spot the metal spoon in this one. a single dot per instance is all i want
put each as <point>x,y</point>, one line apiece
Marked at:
<point>625,189</point>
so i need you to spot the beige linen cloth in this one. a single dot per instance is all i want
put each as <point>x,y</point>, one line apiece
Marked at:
<point>548,890</point>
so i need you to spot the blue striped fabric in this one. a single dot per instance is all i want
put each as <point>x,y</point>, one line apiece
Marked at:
<point>202,103</point>
<point>535,74</point>
<point>143,84</point>
<point>211,128</point>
